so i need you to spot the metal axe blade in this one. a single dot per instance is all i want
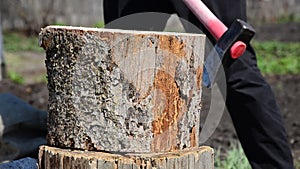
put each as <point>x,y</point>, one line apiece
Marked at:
<point>232,41</point>
<point>238,31</point>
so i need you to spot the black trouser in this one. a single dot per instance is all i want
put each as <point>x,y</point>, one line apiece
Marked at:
<point>250,101</point>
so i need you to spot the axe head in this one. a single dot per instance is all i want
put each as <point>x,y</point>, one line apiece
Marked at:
<point>239,31</point>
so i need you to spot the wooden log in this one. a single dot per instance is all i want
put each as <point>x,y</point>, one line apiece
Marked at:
<point>192,158</point>
<point>123,91</point>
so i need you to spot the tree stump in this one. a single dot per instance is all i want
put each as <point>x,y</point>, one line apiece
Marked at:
<point>191,158</point>
<point>123,91</point>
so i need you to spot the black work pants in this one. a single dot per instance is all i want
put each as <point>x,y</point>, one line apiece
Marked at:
<point>250,101</point>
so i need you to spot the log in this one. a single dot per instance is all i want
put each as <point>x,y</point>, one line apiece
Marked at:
<point>193,158</point>
<point>123,99</point>
<point>121,90</point>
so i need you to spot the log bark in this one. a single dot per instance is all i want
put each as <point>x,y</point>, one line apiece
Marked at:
<point>194,158</point>
<point>123,91</point>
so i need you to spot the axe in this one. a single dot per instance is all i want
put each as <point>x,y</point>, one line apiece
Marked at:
<point>232,40</point>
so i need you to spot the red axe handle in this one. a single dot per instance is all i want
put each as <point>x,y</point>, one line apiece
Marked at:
<point>214,25</point>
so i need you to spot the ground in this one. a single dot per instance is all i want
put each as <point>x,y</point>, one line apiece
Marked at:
<point>287,93</point>
<point>286,89</point>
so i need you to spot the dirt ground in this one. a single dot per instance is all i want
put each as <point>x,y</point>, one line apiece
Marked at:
<point>286,89</point>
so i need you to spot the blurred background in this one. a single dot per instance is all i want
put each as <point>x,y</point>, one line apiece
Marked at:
<point>31,15</point>
<point>277,43</point>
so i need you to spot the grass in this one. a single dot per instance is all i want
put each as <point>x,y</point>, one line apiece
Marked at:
<point>59,24</point>
<point>297,164</point>
<point>288,18</point>
<point>278,57</point>
<point>99,24</point>
<point>16,77</point>
<point>234,158</point>
<point>18,52</point>
<point>18,42</point>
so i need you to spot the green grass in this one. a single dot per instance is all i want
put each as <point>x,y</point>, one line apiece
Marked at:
<point>234,158</point>
<point>297,164</point>
<point>18,51</point>
<point>288,18</point>
<point>59,24</point>
<point>16,77</point>
<point>278,57</point>
<point>99,24</point>
<point>18,42</point>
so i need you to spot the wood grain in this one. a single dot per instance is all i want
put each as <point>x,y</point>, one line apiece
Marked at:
<point>194,158</point>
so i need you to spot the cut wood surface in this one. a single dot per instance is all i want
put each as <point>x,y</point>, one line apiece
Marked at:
<point>123,91</point>
<point>194,158</point>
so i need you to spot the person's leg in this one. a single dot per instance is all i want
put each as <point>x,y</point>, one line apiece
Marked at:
<point>256,116</point>
<point>250,101</point>
<point>110,10</point>
<point>148,15</point>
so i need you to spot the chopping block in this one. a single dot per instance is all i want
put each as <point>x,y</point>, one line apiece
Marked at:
<point>124,93</point>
